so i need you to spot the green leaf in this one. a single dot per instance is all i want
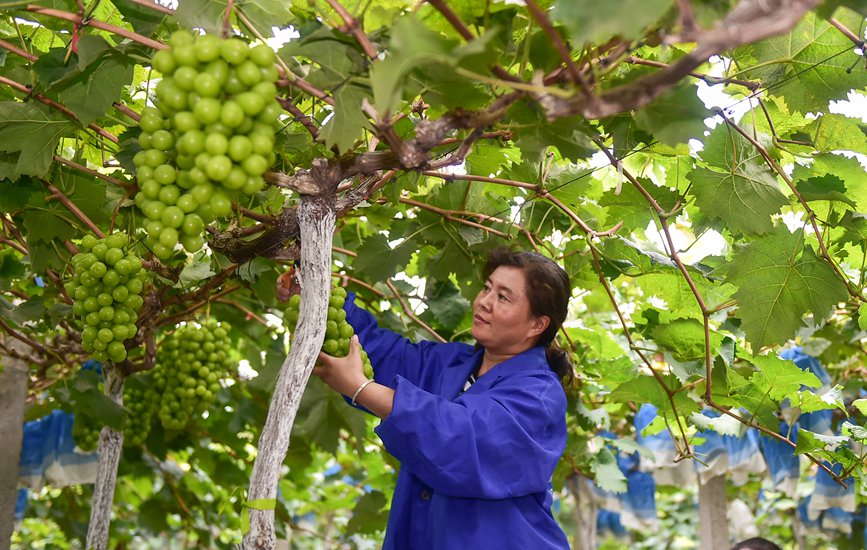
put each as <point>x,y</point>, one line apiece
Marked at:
<point>30,310</point>
<point>810,65</point>
<point>535,134</point>
<point>412,44</point>
<point>674,289</point>
<point>632,208</point>
<point>820,400</point>
<point>674,117</point>
<point>197,270</point>
<point>349,121</point>
<point>598,418</point>
<point>378,261</point>
<point>597,22</point>
<point>47,224</point>
<point>606,473</point>
<point>204,14</point>
<point>810,442</point>
<point>723,424</point>
<point>143,20</point>
<point>445,302</point>
<point>15,196</point>
<point>861,405</point>
<point>85,192</point>
<point>646,389</point>
<point>737,190</point>
<point>849,170</point>
<point>685,339</point>
<point>369,515</point>
<point>266,15</point>
<point>824,188</point>
<point>91,402</point>
<point>835,132</point>
<point>90,94</point>
<point>782,379</point>
<point>780,280</point>
<point>31,130</point>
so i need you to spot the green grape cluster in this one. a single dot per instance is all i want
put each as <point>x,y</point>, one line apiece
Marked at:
<point>190,363</point>
<point>106,287</point>
<point>210,138</point>
<point>85,432</point>
<point>141,400</point>
<point>337,331</point>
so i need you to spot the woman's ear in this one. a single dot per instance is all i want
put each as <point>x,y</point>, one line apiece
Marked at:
<point>539,325</point>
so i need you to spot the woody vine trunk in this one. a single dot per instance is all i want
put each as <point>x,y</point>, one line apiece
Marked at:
<point>316,220</point>
<point>110,450</point>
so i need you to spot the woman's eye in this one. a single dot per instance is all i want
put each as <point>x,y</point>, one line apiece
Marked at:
<point>503,298</point>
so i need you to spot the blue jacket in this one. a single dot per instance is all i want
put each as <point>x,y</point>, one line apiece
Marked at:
<point>475,467</point>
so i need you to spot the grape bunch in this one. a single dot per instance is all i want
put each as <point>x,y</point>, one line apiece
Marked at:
<point>337,330</point>
<point>210,138</point>
<point>106,286</point>
<point>190,363</point>
<point>85,432</point>
<point>142,400</point>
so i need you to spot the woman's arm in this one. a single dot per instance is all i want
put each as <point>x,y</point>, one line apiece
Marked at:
<point>390,353</point>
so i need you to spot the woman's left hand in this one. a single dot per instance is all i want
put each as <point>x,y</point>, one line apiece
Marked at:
<point>342,374</point>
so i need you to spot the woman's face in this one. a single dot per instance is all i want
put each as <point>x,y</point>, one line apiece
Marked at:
<point>502,320</point>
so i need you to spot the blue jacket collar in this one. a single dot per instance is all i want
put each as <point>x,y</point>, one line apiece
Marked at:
<point>454,378</point>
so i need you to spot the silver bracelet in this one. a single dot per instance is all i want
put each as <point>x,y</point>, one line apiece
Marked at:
<point>358,391</point>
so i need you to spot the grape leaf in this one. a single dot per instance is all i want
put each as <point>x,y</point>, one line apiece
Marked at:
<point>646,389</point>
<point>535,133</point>
<point>606,473</point>
<point>809,65</point>
<point>369,515</point>
<point>143,19</point>
<point>849,170</point>
<point>780,378</point>
<point>32,131</point>
<point>685,339</point>
<point>349,121</point>
<point>91,93</point>
<point>674,117</point>
<point>736,189</point>
<point>810,442</point>
<point>204,14</point>
<point>834,132</point>
<point>630,206</point>
<point>597,22</point>
<point>379,261</point>
<point>780,280</point>
<point>824,188</point>
<point>445,302</point>
<point>266,15</point>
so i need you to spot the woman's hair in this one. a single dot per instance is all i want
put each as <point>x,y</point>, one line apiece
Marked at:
<point>756,543</point>
<point>548,290</point>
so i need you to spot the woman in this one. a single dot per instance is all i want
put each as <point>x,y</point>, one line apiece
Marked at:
<point>477,430</point>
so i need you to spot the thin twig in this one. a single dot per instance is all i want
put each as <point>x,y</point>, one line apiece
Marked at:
<point>54,105</point>
<point>354,29</point>
<point>76,211</point>
<point>409,312</point>
<point>89,171</point>
<point>95,23</point>
<point>559,44</point>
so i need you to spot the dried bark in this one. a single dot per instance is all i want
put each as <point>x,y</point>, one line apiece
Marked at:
<point>110,450</point>
<point>316,219</point>
<point>13,393</point>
